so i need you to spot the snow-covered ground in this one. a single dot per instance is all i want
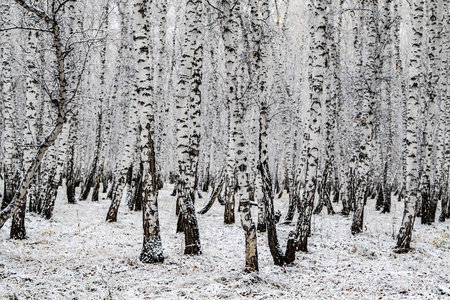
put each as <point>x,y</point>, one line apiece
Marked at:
<point>78,255</point>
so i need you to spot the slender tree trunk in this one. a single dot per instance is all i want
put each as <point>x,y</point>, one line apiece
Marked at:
<point>70,176</point>
<point>89,181</point>
<point>188,131</point>
<point>444,133</point>
<point>412,105</point>
<point>152,251</point>
<point>312,132</point>
<point>10,152</point>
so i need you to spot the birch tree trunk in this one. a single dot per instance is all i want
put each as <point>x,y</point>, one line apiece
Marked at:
<point>188,113</point>
<point>444,133</point>
<point>30,136</point>
<point>10,167</point>
<point>427,190</point>
<point>312,132</point>
<point>152,251</point>
<point>412,105</point>
<point>105,126</point>
<point>364,120</point>
<point>230,31</point>
<point>260,15</point>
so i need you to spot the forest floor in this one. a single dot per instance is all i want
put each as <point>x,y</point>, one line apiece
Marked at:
<point>77,255</point>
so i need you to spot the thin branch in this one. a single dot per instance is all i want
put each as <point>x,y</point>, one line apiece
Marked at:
<point>62,4</point>
<point>216,8</point>
<point>36,11</point>
<point>24,28</point>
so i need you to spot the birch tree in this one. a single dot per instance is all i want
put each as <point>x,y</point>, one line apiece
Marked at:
<point>188,113</point>
<point>60,98</point>
<point>10,167</point>
<point>152,246</point>
<point>412,107</point>
<point>317,62</point>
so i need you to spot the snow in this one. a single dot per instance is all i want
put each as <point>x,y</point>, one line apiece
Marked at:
<point>78,255</point>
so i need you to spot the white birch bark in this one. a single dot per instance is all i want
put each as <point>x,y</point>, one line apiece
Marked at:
<point>428,194</point>
<point>237,160</point>
<point>312,131</point>
<point>412,105</point>
<point>30,127</point>
<point>364,118</point>
<point>10,168</point>
<point>188,113</point>
<point>126,162</point>
<point>230,27</point>
<point>444,133</point>
<point>152,251</point>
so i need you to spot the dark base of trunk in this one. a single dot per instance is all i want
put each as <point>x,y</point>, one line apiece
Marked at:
<point>18,231</point>
<point>193,250</point>
<point>302,243</point>
<point>180,223</point>
<point>345,212</point>
<point>426,209</point>
<point>105,184</point>
<point>387,201</point>
<point>191,237</point>
<point>70,191</point>
<point>86,190</point>
<point>229,217</point>
<point>318,208</point>
<point>95,193</point>
<point>110,192</point>
<point>291,210</point>
<point>251,251</point>
<point>111,216</point>
<point>290,248</point>
<point>404,238</point>
<point>137,199</point>
<point>380,198</point>
<point>336,196</point>
<point>50,198</point>
<point>358,221</point>
<point>444,208</point>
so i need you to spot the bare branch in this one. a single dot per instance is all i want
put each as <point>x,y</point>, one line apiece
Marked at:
<point>24,28</point>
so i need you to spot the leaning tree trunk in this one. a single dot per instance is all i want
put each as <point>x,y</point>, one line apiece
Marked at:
<point>412,105</point>
<point>60,102</point>
<point>89,181</point>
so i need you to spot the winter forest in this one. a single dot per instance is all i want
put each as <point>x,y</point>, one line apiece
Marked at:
<point>210,149</point>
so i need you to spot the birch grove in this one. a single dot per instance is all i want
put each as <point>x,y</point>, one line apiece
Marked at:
<point>241,105</point>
